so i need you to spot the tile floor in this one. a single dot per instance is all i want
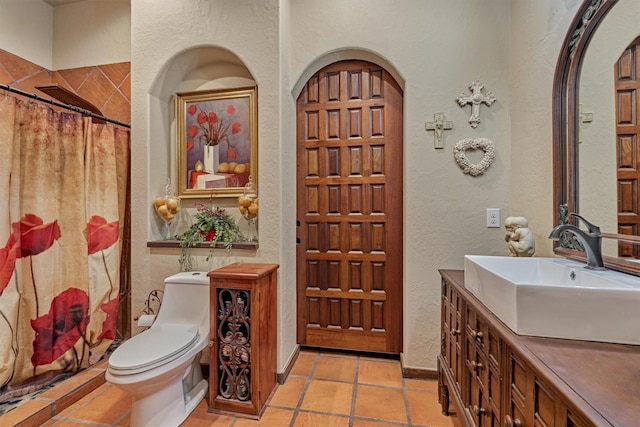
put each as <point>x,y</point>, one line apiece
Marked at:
<point>324,389</point>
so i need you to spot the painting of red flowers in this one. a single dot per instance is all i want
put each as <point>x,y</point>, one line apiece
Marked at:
<point>217,141</point>
<point>33,236</point>
<point>59,329</point>
<point>101,234</point>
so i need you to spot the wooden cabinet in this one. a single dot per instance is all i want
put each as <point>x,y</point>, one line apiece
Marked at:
<point>489,376</point>
<point>452,331</point>
<point>242,357</point>
<point>483,369</point>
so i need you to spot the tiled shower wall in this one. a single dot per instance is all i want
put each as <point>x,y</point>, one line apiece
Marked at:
<point>108,87</point>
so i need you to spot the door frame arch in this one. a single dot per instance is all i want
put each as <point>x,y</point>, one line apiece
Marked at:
<point>344,55</point>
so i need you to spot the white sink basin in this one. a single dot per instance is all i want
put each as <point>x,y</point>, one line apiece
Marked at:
<point>555,297</point>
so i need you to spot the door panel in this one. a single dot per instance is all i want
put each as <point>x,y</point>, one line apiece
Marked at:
<point>349,208</point>
<point>627,82</point>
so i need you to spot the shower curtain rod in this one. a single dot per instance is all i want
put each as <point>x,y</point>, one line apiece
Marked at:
<point>61,105</point>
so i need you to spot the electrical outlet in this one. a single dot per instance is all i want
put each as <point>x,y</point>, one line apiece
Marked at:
<point>493,218</point>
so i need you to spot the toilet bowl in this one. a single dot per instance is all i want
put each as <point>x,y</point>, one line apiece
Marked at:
<point>160,367</point>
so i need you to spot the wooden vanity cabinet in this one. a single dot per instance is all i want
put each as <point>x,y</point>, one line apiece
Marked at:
<point>470,359</point>
<point>533,402</point>
<point>482,361</point>
<point>490,376</point>
<point>242,356</point>
<point>452,332</point>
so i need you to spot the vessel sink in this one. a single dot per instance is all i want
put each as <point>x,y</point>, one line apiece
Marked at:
<point>556,297</point>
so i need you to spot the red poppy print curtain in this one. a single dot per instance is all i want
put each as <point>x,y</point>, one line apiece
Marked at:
<point>64,180</point>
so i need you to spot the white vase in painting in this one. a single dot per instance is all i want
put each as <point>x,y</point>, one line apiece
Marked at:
<point>211,158</point>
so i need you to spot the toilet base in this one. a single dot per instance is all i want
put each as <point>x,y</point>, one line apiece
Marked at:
<point>165,401</point>
<point>169,406</point>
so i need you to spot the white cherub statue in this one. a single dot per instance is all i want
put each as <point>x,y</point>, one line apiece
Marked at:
<point>519,238</point>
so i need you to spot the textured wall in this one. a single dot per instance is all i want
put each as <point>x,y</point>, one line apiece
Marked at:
<point>537,32</point>
<point>212,44</point>
<point>434,48</point>
<point>434,61</point>
<point>26,29</point>
<point>87,33</point>
<point>91,32</point>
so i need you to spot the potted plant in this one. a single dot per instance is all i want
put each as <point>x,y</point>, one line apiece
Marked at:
<point>211,225</point>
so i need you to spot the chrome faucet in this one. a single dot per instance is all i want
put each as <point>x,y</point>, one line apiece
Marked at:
<point>591,240</point>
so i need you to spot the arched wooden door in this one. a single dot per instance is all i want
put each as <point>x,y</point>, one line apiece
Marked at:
<point>349,209</point>
<point>627,83</point>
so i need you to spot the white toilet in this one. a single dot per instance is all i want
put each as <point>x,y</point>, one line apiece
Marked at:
<point>160,367</point>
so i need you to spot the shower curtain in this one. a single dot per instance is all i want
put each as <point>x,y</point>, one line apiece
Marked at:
<point>63,186</point>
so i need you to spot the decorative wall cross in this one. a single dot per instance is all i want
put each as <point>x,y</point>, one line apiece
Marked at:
<point>438,126</point>
<point>475,99</point>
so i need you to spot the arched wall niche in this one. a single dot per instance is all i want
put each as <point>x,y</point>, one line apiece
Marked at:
<point>200,67</point>
<point>197,68</point>
<point>343,55</point>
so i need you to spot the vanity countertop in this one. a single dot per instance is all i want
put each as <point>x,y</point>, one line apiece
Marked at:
<point>606,376</point>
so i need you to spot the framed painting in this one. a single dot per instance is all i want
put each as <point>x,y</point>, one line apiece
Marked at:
<point>217,142</point>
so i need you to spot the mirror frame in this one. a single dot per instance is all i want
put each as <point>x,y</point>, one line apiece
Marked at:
<point>565,125</point>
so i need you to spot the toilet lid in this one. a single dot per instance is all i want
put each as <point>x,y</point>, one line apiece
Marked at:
<point>155,346</point>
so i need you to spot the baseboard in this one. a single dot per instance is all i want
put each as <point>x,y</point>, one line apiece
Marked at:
<point>282,376</point>
<point>417,373</point>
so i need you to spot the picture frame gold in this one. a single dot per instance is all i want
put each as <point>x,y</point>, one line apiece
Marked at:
<point>216,142</point>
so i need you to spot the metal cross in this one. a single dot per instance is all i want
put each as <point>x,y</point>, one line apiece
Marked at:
<point>438,126</point>
<point>475,99</point>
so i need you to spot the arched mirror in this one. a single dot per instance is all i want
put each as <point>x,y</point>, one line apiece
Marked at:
<point>596,109</point>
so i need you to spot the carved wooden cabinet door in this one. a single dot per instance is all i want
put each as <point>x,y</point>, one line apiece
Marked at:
<point>349,209</point>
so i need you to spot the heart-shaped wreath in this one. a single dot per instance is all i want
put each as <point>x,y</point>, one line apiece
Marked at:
<point>483,144</point>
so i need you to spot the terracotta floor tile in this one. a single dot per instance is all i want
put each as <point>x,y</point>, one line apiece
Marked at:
<point>201,417</point>
<point>425,409</point>
<point>370,423</point>
<point>312,419</point>
<point>327,399</point>
<point>430,385</point>
<point>73,389</point>
<point>83,401</point>
<point>336,368</point>
<point>289,393</point>
<point>107,407</point>
<point>304,364</point>
<point>328,396</point>
<point>126,421</point>
<point>271,417</point>
<point>380,403</point>
<point>67,423</point>
<point>385,373</point>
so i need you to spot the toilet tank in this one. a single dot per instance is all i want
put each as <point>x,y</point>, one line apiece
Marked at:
<point>185,299</point>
